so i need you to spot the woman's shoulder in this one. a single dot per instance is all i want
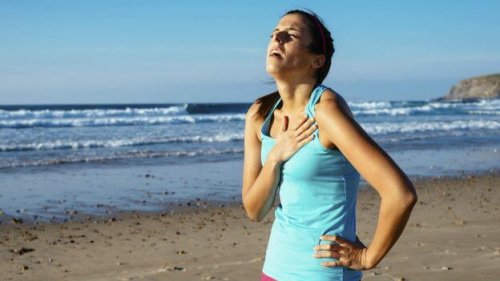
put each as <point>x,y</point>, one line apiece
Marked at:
<point>252,114</point>
<point>330,101</point>
<point>253,120</point>
<point>253,109</point>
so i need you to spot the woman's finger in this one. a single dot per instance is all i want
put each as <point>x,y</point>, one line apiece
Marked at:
<point>332,263</point>
<point>304,126</point>
<point>328,247</point>
<point>301,122</point>
<point>334,238</point>
<point>284,125</point>
<point>307,132</point>
<point>304,141</point>
<point>327,254</point>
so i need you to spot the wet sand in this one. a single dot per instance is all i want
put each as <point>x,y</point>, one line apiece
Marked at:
<point>453,234</point>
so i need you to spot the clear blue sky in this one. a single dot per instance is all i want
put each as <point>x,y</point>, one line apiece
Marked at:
<point>99,51</point>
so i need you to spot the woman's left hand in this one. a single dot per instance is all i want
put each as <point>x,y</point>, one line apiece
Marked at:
<point>350,255</point>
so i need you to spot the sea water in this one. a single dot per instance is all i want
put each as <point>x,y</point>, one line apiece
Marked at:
<point>58,157</point>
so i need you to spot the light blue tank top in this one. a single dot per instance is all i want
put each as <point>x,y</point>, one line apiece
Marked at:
<point>317,191</point>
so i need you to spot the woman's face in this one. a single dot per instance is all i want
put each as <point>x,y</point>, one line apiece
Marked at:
<point>287,53</point>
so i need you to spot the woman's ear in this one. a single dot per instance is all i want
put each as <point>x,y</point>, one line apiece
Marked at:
<point>318,61</point>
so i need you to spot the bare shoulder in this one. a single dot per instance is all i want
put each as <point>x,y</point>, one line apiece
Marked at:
<point>252,110</point>
<point>252,119</point>
<point>251,114</point>
<point>332,102</point>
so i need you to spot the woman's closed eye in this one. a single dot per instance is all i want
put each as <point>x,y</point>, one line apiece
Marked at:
<point>283,35</point>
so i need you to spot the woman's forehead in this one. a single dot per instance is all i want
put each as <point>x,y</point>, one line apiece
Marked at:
<point>292,21</point>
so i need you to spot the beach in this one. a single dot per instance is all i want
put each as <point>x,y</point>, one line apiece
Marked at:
<point>153,192</point>
<point>453,234</point>
<point>127,138</point>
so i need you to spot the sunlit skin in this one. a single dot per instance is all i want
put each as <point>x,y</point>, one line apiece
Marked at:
<point>293,67</point>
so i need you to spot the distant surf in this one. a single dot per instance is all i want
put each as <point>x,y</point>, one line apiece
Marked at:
<point>38,135</point>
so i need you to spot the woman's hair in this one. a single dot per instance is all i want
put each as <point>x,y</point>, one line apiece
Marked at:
<point>321,44</point>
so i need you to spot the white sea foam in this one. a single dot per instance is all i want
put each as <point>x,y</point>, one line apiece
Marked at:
<point>93,113</point>
<point>369,105</point>
<point>410,127</point>
<point>141,141</point>
<point>119,121</point>
<point>490,107</point>
<point>128,155</point>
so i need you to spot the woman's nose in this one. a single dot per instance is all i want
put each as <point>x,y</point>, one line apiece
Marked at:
<point>278,38</point>
<point>281,37</point>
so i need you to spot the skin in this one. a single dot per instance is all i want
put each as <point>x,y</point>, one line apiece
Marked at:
<point>294,72</point>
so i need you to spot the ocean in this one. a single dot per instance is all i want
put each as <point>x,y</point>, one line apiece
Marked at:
<point>43,135</point>
<point>58,160</point>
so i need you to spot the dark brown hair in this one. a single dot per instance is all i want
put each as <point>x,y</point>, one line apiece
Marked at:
<point>322,44</point>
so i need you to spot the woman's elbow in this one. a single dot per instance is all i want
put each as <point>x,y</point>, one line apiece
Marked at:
<point>255,217</point>
<point>402,195</point>
<point>411,199</point>
<point>409,196</point>
<point>252,214</point>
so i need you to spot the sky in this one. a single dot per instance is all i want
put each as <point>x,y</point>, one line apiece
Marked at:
<point>151,51</point>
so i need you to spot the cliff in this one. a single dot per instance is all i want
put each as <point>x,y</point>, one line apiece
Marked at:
<point>481,87</point>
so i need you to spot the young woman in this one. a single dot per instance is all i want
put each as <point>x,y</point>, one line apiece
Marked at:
<point>303,141</point>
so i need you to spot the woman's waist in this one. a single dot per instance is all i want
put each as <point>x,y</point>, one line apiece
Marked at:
<point>295,245</point>
<point>309,229</point>
<point>317,213</point>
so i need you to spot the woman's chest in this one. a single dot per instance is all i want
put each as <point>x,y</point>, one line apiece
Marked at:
<point>311,162</point>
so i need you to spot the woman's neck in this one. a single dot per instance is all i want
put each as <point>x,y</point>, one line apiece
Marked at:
<point>294,96</point>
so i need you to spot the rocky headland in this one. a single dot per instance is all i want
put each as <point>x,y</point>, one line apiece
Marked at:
<point>481,87</point>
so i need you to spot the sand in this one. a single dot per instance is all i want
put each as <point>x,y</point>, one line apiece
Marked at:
<point>453,234</point>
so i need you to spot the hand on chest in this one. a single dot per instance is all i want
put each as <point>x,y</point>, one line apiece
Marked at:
<point>284,122</point>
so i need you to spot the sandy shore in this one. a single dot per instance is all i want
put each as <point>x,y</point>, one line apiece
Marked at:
<point>454,234</point>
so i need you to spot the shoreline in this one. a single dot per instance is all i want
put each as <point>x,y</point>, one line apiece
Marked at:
<point>184,206</point>
<point>453,234</point>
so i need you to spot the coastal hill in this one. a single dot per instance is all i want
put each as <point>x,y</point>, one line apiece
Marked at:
<point>481,87</point>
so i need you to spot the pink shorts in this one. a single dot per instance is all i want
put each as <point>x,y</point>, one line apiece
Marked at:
<point>264,277</point>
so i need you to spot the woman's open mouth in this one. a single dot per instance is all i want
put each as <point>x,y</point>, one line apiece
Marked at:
<point>276,54</point>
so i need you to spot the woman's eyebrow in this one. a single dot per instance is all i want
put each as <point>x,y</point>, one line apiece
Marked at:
<point>288,29</point>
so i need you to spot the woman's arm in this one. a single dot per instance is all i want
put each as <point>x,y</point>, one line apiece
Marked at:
<point>260,181</point>
<point>397,193</point>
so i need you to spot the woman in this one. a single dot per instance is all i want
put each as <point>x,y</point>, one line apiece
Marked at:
<point>303,140</point>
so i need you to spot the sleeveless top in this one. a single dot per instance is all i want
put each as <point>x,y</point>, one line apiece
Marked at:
<point>317,190</point>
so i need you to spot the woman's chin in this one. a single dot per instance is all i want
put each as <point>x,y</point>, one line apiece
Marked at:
<point>273,70</point>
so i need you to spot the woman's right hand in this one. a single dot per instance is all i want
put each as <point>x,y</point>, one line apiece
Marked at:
<point>288,142</point>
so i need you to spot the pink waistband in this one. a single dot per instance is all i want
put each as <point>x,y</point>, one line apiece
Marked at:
<point>264,277</point>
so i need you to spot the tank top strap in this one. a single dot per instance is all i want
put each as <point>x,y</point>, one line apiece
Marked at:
<point>314,98</point>
<point>272,109</point>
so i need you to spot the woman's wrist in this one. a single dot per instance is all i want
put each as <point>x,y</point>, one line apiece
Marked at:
<point>274,159</point>
<point>369,259</point>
